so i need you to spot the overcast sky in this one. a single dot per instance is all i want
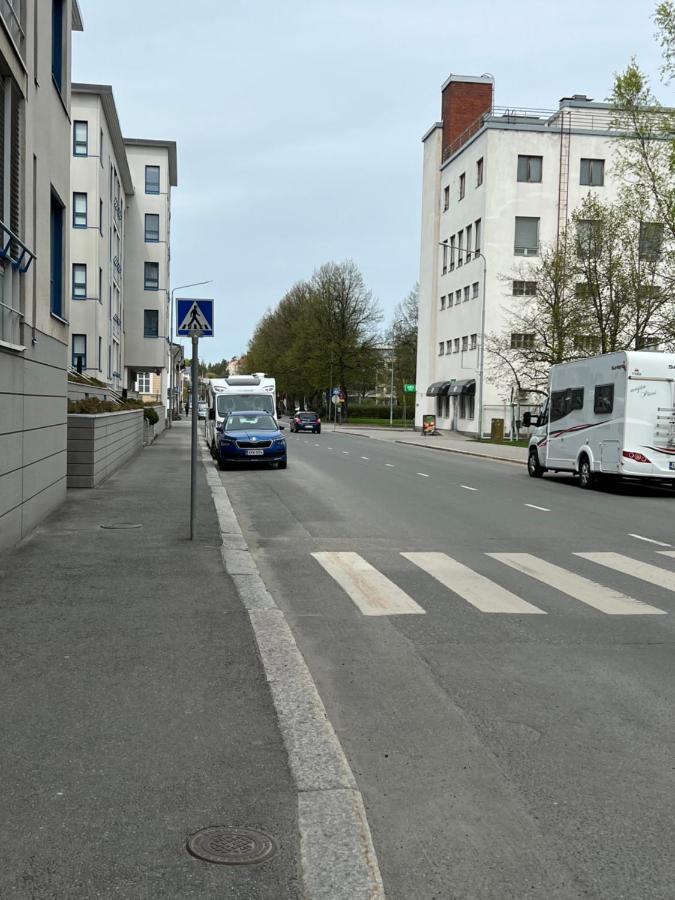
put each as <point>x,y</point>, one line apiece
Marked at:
<point>298,123</point>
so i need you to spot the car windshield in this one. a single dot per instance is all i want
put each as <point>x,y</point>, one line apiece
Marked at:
<point>232,402</point>
<point>243,422</point>
<point>307,415</point>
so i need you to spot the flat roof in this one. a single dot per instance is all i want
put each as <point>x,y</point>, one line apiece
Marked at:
<point>468,79</point>
<point>168,145</point>
<point>105,93</point>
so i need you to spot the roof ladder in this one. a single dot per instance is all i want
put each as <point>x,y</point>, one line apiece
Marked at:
<point>564,177</point>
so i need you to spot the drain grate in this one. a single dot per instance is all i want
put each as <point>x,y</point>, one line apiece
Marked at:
<point>120,526</point>
<point>231,845</point>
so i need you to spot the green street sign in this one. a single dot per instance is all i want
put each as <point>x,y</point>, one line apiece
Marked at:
<point>409,388</point>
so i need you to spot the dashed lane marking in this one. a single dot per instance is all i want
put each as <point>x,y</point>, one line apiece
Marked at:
<point>640,537</point>
<point>540,508</point>
<point>468,488</point>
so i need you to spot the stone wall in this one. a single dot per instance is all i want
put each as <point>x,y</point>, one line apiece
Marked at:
<point>100,444</point>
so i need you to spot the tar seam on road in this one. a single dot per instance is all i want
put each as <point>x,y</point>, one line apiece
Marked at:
<point>337,852</point>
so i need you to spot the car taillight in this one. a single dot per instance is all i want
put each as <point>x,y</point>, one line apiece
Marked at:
<point>636,457</point>
<point>298,421</point>
<point>318,421</point>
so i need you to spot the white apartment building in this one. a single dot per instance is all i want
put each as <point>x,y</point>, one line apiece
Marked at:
<point>147,261</point>
<point>497,185</point>
<point>35,55</point>
<point>100,187</point>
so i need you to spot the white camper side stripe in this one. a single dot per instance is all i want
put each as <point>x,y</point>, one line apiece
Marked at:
<point>645,571</point>
<point>606,600</point>
<point>477,590</point>
<point>372,592</point>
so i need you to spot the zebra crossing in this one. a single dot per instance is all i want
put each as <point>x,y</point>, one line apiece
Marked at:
<point>374,594</point>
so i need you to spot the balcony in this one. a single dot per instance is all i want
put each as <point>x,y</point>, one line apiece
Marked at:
<point>12,14</point>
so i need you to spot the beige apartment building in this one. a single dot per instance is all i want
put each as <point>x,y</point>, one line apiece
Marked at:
<point>35,78</point>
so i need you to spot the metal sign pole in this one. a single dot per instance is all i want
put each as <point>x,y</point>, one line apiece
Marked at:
<point>193,460</point>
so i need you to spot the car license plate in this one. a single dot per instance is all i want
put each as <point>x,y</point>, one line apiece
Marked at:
<point>671,465</point>
<point>254,452</point>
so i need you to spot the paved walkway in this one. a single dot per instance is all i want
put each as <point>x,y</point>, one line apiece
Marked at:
<point>455,443</point>
<point>133,703</point>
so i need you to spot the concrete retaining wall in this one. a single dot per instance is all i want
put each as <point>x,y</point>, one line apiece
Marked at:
<point>84,391</point>
<point>100,444</point>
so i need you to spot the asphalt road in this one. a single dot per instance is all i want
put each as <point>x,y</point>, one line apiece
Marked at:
<point>509,719</point>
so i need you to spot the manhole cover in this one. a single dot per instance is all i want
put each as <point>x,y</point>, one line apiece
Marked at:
<point>120,526</point>
<point>232,846</point>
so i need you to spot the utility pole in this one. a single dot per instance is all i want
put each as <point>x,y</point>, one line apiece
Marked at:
<point>193,458</point>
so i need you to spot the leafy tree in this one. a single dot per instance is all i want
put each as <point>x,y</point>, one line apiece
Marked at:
<point>402,337</point>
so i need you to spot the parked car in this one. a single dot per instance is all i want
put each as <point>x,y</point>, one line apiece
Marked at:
<point>306,421</point>
<point>202,409</point>
<point>250,437</point>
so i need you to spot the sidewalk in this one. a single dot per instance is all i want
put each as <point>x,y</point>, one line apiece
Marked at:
<point>133,703</point>
<point>455,444</point>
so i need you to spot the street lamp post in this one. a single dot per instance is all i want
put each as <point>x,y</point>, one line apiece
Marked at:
<point>481,348</point>
<point>180,287</point>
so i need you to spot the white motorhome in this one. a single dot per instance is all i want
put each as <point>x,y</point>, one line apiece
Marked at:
<point>238,392</point>
<point>610,415</point>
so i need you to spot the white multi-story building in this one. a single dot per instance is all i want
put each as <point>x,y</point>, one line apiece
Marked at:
<point>35,55</point>
<point>147,261</point>
<point>100,187</point>
<point>497,185</point>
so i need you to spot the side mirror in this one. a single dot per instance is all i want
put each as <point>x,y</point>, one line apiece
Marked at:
<point>212,414</point>
<point>527,419</point>
<point>282,428</point>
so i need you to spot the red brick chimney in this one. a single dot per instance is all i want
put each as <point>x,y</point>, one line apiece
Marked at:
<point>464,98</point>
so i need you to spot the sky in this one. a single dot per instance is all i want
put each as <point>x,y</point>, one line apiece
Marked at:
<point>299,123</point>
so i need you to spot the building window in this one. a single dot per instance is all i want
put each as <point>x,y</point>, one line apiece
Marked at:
<point>469,230</point>
<point>152,228</point>
<point>79,281</point>
<point>446,198</point>
<point>465,342</point>
<point>79,352</point>
<point>456,345</point>
<point>100,217</point>
<point>150,323</point>
<point>474,290</point>
<point>651,238</point>
<point>522,341</point>
<point>441,348</point>
<point>443,302</point>
<point>80,138</point>
<point>467,293</point>
<point>479,172</point>
<point>586,343</point>
<point>458,297</point>
<point>529,169</point>
<point>79,210</point>
<point>143,382</point>
<point>152,179</point>
<point>527,236</point>
<point>56,261</point>
<point>524,288</point>
<point>474,342</point>
<point>448,347</point>
<point>466,406</point>
<point>445,258</point>
<point>462,185</point>
<point>603,401</point>
<point>588,235</point>
<point>477,230</point>
<point>151,276</point>
<point>452,253</point>
<point>460,248</point>
<point>592,172</point>
<point>57,43</point>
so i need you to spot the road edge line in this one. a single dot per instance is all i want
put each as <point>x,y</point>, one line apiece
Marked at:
<point>506,459</point>
<point>338,858</point>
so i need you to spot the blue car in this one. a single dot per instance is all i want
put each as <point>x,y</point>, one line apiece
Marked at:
<point>250,437</point>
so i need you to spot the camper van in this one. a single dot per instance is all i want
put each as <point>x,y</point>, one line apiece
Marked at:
<point>239,392</point>
<point>607,416</point>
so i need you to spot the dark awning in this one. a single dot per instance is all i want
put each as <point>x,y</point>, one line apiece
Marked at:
<point>438,388</point>
<point>462,387</point>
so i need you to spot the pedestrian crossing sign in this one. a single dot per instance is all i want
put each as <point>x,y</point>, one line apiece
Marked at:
<point>195,317</point>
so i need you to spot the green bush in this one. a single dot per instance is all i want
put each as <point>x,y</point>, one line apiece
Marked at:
<point>95,406</point>
<point>373,411</point>
<point>151,415</point>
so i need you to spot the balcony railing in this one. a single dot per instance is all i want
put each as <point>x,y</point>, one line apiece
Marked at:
<point>10,10</point>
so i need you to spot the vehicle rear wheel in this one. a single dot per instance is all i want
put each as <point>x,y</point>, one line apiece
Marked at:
<point>586,476</point>
<point>318,431</point>
<point>534,467</point>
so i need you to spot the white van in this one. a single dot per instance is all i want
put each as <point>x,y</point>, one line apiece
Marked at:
<point>610,415</point>
<point>238,392</point>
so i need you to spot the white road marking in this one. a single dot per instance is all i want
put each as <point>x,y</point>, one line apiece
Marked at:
<point>467,488</point>
<point>389,465</point>
<point>639,537</point>
<point>608,601</point>
<point>670,553</point>
<point>317,445</point>
<point>645,571</point>
<point>477,590</point>
<point>541,508</point>
<point>346,452</point>
<point>372,592</point>
<point>364,457</point>
<point>329,448</point>
<point>422,475</point>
